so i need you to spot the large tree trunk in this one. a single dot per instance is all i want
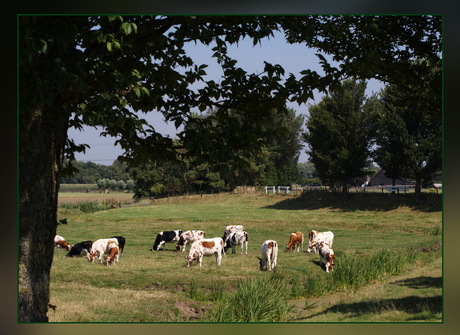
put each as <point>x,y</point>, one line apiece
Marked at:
<point>45,104</point>
<point>42,140</point>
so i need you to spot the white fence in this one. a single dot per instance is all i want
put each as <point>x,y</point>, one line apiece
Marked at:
<point>279,190</point>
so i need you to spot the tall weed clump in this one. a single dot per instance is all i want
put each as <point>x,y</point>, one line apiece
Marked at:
<point>354,271</point>
<point>255,300</point>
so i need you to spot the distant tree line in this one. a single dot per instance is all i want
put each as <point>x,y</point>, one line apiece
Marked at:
<point>91,173</point>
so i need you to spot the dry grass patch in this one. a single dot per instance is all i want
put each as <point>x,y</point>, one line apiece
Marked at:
<point>86,303</point>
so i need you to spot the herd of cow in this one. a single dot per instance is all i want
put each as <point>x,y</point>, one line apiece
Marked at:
<point>234,235</point>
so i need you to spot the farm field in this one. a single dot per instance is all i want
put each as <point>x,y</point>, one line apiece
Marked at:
<point>147,286</point>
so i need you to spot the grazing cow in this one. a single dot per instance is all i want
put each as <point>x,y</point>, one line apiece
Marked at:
<point>314,236</point>
<point>80,249</point>
<point>237,238</point>
<point>326,254</point>
<point>269,252</point>
<point>295,241</point>
<point>113,251</point>
<point>60,242</point>
<point>189,236</point>
<point>205,247</point>
<point>100,247</point>
<point>121,243</point>
<point>231,229</point>
<point>166,237</point>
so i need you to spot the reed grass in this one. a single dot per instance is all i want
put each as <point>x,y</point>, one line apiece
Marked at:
<point>353,272</point>
<point>255,300</point>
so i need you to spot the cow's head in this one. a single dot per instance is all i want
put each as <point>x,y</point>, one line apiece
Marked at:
<point>180,243</point>
<point>90,256</point>
<point>262,263</point>
<point>289,247</point>
<point>189,260</point>
<point>312,246</point>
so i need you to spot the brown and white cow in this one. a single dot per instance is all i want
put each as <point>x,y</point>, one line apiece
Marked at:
<point>326,254</point>
<point>205,247</point>
<point>60,242</point>
<point>113,251</point>
<point>295,241</point>
<point>231,229</point>
<point>100,247</point>
<point>316,236</point>
<point>189,236</point>
<point>237,238</point>
<point>269,252</point>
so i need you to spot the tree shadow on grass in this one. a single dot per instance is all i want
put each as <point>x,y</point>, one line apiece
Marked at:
<point>359,201</point>
<point>420,282</point>
<point>421,307</point>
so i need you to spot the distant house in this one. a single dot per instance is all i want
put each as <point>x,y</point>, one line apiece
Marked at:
<point>381,179</point>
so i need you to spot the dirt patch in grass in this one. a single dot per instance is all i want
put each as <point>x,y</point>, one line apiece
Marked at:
<point>189,311</point>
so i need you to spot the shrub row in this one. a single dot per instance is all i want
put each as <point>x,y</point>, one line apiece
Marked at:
<point>91,206</point>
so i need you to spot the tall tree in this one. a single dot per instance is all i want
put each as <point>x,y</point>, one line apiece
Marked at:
<point>340,132</point>
<point>283,144</point>
<point>90,69</point>
<point>409,129</point>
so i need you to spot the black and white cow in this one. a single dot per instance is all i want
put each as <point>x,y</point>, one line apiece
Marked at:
<point>166,237</point>
<point>121,243</point>
<point>237,238</point>
<point>80,249</point>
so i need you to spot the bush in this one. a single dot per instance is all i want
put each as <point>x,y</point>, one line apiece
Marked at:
<point>255,300</point>
<point>92,206</point>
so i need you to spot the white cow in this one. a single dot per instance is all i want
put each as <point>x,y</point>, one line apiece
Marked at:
<point>237,238</point>
<point>316,236</point>
<point>205,247</point>
<point>100,247</point>
<point>269,252</point>
<point>231,229</point>
<point>189,236</point>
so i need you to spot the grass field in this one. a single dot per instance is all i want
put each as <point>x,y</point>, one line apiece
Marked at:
<point>151,286</point>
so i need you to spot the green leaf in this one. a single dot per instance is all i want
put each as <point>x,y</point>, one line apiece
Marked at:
<point>126,26</point>
<point>145,90</point>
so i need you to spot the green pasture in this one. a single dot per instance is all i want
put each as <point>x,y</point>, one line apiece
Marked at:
<point>151,286</point>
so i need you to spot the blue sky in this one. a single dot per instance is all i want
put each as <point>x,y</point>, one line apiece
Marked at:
<point>293,58</point>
